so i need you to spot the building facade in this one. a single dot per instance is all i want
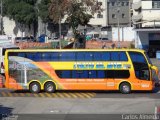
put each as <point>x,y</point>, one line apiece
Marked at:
<point>146,21</point>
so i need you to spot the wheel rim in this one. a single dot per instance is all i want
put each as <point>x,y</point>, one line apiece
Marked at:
<point>35,88</point>
<point>126,88</point>
<point>49,87</point>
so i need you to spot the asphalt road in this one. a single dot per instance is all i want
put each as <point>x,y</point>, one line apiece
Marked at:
<point>98,105</point>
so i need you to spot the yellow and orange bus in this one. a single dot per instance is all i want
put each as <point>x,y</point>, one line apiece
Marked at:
<point>79,69</point>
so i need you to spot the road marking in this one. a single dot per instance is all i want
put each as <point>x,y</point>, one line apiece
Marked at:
<point>79,95</point>
<point>9,94</point>
<point>91,94</point>
<point>54,95</point>
<point>35,95</point>
<point>41,95</point>
<point>66,95</point>
<point>60,95</point>
<point>86,96</point>
<point>50,95</point>
<point>4,94</point>
<point>73,95</point>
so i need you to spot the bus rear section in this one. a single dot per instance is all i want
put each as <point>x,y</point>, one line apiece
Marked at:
<point>49,70</point>
<point>3,48</point>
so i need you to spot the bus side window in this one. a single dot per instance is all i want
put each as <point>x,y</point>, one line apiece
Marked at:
<point>38,56</point>
<point>67,56</point>
<point>46,56</point>
<point>80,56</point>
<point>115,56</point>
<point>97,56</point>
<point>100,74</point>
<point>106,56</point>
<point>123,56</point>
<point>30,56</point>
<point>55,56</point>
<point>92,74</point>
<point>109,73</point>
<point>88,56</point>
<point>79,74</point>
<point>21,54</point>
<point>66,74</point>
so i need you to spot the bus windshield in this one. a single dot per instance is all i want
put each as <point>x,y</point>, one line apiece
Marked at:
<point>148,59</point>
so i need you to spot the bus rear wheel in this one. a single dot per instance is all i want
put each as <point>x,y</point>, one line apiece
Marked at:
<point>125,88</point>
<point>34,87</point>
<point>50,87</point>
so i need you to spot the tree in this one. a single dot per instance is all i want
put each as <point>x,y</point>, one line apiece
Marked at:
<point>22,11</point>
<point>43,10</point>
<point>77,12</point>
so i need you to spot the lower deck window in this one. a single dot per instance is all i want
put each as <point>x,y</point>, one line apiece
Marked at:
<point>82,74</point>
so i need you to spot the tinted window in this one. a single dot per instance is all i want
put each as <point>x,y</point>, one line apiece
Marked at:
<point>115,56</point>
<point>66,74</point>
<point>97,56</point>
<point>137,57</point>
<point>110,73</point>
<point>46,56</point>
<point>80,56</point>
<point>93,73</point>
<point>141,68</point>
<point>88,56</point>
<point>123,56</point>
<point>100,74</point>
<point>67,56</point>
<point>55,56</point>
<point>118,56</point>
<point>21,54</point>
<point>106,56</point>
<point>121,74</point>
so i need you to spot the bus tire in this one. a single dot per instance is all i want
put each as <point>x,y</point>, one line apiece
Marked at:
<point>34,87</point>
<point>125,88</point>
<point>49,87</point>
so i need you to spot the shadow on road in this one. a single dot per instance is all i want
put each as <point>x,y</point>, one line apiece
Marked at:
<point>90,91</point>
<point>5,112</point>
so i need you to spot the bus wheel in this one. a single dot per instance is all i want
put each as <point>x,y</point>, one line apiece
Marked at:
<point>50,87</point>
<point>34,87</point>
<point>125,88</point>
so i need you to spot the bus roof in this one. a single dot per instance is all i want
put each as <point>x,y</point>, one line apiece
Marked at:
<point>75,50</point>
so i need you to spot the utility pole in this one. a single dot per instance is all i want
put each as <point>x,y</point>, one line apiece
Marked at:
<point>2,17</point>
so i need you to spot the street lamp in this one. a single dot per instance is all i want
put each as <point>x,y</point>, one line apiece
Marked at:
<point>118,10</point>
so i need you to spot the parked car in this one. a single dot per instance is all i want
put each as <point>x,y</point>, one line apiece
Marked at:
<point>103,38</point>
<point>24,39</point>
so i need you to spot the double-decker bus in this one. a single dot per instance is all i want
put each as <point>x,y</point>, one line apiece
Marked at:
<point>79,69</point>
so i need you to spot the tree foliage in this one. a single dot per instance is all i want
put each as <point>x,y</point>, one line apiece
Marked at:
<point>43,10</point>
<point>77,12</point>
<point>22,11</point>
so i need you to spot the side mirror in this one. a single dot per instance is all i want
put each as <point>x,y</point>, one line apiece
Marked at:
<point>155,68</point>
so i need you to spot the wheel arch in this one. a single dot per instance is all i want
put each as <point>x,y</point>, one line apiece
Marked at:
<point>125,82</point>
<point>52,82</point>
<point>32,81</point>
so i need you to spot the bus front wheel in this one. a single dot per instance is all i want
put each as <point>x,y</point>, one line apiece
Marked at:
<point>49,87</point>
<point>125,88</point>
<point>34,87</point>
